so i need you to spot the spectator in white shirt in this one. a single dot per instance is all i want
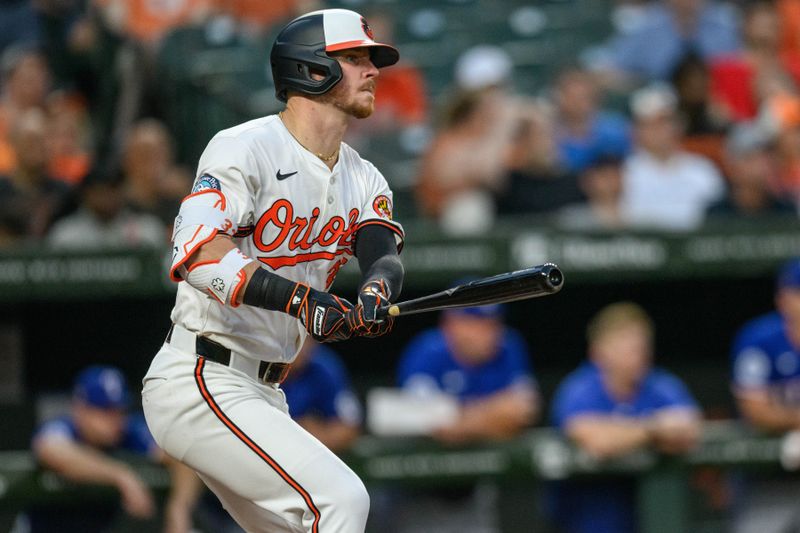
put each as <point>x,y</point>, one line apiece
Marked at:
<point>663,186</point>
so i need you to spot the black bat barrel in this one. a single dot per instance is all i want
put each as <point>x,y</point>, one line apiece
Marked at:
<point>509,287</point>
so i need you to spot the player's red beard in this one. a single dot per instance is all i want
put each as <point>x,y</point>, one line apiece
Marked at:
<point>355,106</point>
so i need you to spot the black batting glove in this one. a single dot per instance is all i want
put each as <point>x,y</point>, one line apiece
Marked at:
<point>363,319</point>
<point>321,313</point>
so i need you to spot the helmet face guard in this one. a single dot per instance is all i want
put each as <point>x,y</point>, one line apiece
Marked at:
<point>302,48</point>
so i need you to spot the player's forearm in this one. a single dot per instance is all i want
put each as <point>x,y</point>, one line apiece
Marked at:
<point>605,437</point>
<point>335,435</point>
<point>768,416</point>
<point>185,486</point>
<point>501,416</point>
<point>378,260</point>
<point>80,463</point>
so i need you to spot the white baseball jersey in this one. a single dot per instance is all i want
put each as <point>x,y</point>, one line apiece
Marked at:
<point>293,214</point>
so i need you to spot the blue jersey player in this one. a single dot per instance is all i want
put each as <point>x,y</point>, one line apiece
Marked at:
<point>485,365</point>
<point>766,386</point>
<point>82,447</point>
<point>611,405</point>
<point>474,357</point>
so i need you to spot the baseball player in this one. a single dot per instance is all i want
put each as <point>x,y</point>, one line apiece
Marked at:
<point>278,206</point>
<point>766,387</point>
<point>82,446</point>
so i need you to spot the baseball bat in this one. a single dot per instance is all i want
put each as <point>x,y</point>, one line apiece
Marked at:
<point>531,282</point>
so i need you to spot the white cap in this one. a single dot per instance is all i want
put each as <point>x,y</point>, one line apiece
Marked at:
<point>653,100</point>
<point>483,66</point>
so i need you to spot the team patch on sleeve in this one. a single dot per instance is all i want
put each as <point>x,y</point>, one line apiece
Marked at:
<point>383,207</point>
<point>206,182</point>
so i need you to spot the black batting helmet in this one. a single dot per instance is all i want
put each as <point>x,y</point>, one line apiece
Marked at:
<point>303,44</point>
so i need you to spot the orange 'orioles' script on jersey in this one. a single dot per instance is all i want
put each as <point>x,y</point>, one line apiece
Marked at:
<point>291,212</point>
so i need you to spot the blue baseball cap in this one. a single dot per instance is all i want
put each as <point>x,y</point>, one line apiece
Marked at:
<point>103,387</point>
<point>789,275</point>
<point>483,311</point>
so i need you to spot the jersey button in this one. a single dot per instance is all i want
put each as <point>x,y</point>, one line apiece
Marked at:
<point>330,199</point>
<point>333,180</point>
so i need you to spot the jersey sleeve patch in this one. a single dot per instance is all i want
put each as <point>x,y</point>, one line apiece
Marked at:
<point>206,181</point>
<point>382,206</point>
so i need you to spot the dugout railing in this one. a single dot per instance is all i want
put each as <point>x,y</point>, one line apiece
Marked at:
<point>519,467</point>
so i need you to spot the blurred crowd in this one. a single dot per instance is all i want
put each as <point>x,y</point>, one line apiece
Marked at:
<point>689,111</point>
<point>707,129</point>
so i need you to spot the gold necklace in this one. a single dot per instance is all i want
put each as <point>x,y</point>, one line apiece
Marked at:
<point>326,158</point>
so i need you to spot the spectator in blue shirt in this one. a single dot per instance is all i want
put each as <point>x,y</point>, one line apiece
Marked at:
<point>80,446</point>
<point>668,31</point>
<point>766,386</point>
<point>612,405</point>
<point>584,131</point>
<point>320,397</point>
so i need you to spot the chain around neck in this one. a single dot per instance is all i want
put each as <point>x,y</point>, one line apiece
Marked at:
<point>326,158</point>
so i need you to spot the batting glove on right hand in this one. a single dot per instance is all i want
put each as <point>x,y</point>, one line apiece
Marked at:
<point>321,313</point>
<point>363,319</point>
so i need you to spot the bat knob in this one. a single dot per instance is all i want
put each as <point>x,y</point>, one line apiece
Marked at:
<point>389,310</point>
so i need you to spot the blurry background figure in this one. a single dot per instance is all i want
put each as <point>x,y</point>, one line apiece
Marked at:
<point>789,15</point>
<point>483,66</point>
<point>535,180</point>
<point>69,139</point>
<point>473,357</point>
<point>583,130</point>
<point>320,397</point>
<point>650,49</point>
<point>153,183</point>
<point>739,81</point>
<point>24,85</point>
<point>766,387</point>
<point>80,446</point>
<point>750,173</point>
<point>664,186</point>
<point>704,120</point>
<point>103,222</point>
<point>29,184</point>
<point>18,24</point>
<point>701,116</point>
<point>601,183</point>
<point>616,403</point>
<point>464,165</point>
<point>465,162</point>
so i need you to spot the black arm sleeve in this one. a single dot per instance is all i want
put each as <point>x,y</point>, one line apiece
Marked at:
<point>376,251</point>
<point>268,290</point>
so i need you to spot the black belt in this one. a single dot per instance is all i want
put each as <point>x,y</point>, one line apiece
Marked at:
<point>268,372</point>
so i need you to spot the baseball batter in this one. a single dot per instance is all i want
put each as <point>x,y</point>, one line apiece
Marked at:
<point>278,206</point>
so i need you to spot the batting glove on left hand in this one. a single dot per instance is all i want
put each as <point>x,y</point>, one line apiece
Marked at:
<point>323,314</point>
<point>363,319</point>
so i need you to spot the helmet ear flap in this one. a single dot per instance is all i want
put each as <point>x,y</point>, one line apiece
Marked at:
<point>298,51</point>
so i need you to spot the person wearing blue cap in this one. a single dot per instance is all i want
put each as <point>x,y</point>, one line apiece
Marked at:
<point>80,445</point>
<point>766,387</point>
<point>485,365</point>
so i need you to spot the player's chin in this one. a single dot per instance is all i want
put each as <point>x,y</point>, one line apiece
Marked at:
<point>362,111</point>
<point>363,106</point>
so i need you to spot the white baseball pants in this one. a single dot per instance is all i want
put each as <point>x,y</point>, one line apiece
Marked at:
<point>269,473</point>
